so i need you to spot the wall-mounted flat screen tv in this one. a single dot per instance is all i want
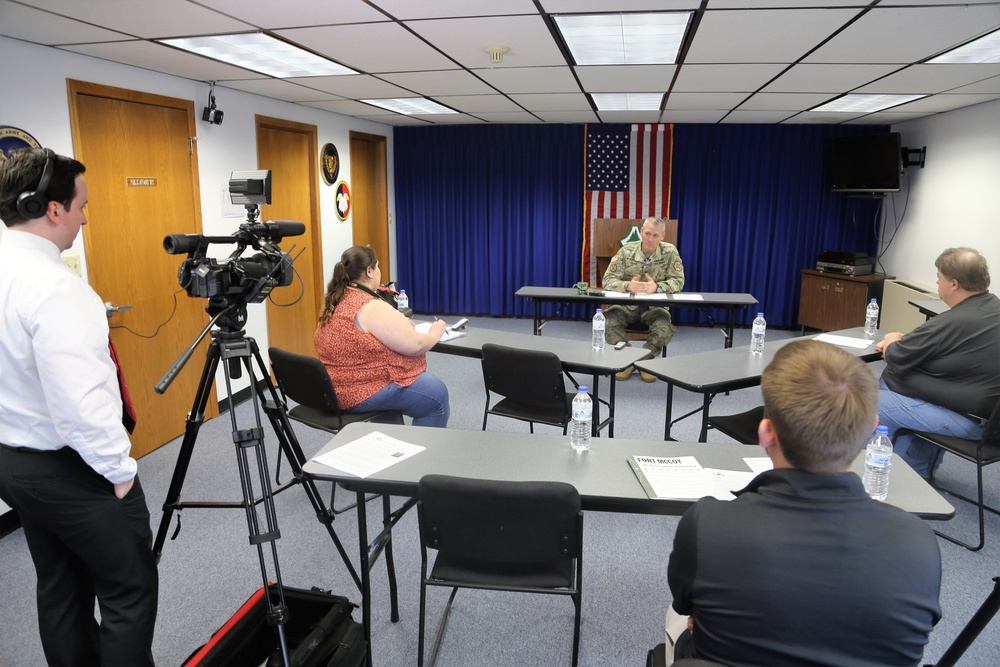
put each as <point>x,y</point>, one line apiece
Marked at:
<point>866,163</point>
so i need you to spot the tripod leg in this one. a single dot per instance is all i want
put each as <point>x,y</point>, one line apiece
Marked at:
<point>195,419</point>
<point>277,412</point>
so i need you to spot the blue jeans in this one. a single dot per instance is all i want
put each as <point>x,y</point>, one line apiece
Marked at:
<point>897,411</point>
<point>426,401</point>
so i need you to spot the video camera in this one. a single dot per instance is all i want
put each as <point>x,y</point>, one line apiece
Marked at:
<point>238,280</point>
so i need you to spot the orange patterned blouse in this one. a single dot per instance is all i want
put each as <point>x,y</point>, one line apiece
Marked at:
<point>358,363</point>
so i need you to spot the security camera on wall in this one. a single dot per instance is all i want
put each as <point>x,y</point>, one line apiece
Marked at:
<point>211,114</point>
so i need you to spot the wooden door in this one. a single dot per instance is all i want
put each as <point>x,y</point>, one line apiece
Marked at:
<point>369,197</point>
<point>289,150</point>
<point>143,184</point>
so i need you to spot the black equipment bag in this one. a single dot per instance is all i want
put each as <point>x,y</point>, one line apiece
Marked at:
<point>320,632</point>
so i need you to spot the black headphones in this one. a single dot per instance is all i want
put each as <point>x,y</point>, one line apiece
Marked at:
<point>31,205</point>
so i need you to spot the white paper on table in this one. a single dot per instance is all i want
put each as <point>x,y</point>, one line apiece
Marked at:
<point>655,296</point>
<point>425,327</point>
<point>368,454</point>
<point>681,296</point>
<point>845,341</point>
<point>724,482</point>
<point>675,477</point>
<point>758,463</point>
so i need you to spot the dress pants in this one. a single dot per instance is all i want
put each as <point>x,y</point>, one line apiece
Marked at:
<point>85,544</point>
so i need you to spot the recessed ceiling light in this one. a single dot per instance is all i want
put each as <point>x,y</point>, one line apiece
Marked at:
<point>986,49</point>
<point>624,39</point>
<point>627,101</point>
<point>410,106</point>
<point>865,103</point>
<point>262,53</point>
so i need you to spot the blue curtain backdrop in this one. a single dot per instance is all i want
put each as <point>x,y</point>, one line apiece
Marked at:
<point>754,208</point>
<point>483,210</point>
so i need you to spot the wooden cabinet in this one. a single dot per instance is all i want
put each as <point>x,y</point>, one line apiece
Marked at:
<point>832,301</point>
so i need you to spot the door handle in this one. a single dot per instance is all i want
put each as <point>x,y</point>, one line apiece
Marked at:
<point>110,308</point>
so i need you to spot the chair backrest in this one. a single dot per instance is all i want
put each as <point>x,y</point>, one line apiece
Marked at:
<point>530,377</point>
<point>501,521</point>
<point>304,379</point>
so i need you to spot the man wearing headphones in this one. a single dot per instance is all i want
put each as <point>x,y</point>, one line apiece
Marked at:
<point>64,453</point>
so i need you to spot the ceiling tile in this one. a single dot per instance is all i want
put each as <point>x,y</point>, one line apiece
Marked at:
<point>269,15</point>
<point>440,82</point>
<point>528,38</point>
<point>408,9</point>
<point>275,88</point>
<point>162,18</point>
<point>904,35</point>
<point>832,79</point>
<point>629,116</point>
<point>784,101</point>
<point>689,101</point>
<point>478,103</point>
<point>40,27</point>
<point>353,86</point>
<point>364,48</point>
<point>509,117</point>
<point>553,102</point>
<point>763,36</point>
<point>931,78</point>
<point>693,116</point>
<point>567,116</point>
<point>724,78</point>
<point>530,80</point>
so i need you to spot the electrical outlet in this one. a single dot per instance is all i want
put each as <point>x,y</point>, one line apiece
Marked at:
<point>73,262</point>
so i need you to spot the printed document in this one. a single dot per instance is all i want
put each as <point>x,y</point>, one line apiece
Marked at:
<point>368,454</point>
<point>845,341</point>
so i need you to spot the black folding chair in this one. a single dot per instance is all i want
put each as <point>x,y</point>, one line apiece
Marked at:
<point>982,452</point>
<point>511,536</point>
<point>305,380</point>
<point>531,385</point>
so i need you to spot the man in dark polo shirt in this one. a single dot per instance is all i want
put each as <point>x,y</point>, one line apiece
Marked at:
<point>803,568</point>
<point>944,376</point>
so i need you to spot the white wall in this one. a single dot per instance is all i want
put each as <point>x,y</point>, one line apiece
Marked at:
<point>35,100</point>
<point>954,200</point>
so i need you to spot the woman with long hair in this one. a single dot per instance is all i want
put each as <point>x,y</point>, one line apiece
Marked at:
<point>373,353</point>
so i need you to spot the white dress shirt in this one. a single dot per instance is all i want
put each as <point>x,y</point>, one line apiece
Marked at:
<point>58,384</point>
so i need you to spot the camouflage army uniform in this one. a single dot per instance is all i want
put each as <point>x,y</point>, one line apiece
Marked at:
<point>663,266</point>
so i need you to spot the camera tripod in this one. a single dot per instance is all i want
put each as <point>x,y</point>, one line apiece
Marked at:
<point>230,344</point>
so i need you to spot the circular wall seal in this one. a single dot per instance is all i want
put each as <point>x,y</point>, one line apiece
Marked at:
<point>343,200</point>
<point>329,161</point>
<point>12,139</point>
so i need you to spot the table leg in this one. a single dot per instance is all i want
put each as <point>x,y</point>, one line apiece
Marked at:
<point>595,422</point>
<point>703,436</point>
<point>366,580</point>
<point>611,408</point>
<point>730,325</point>
<point>389,564</point>
<point>538,317</point>
<point>670,411</point>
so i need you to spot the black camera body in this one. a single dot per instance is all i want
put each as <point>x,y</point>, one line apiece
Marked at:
<point>234,282</point>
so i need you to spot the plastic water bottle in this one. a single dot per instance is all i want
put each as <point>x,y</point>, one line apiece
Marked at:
<point>878,461</point>
<point>871,318</point>
<point>583,415</point>
<point>757,334</point>
<point>402,301</point>
<point>599,323</point>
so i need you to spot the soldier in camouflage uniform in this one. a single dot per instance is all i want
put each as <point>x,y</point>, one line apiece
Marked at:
<point>644,267</point>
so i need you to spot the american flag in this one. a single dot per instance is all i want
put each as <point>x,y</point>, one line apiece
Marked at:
<point>628,176</point>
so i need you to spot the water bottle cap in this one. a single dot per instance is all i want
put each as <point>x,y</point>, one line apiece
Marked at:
<point>874,300</point>
<point>581,389</point>
<point>598,310</point>
<point>759,315</point>
<point>882,430</point>
<point>402,291</point>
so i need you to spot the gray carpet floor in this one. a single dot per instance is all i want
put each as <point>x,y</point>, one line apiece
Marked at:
<point>210,569</point>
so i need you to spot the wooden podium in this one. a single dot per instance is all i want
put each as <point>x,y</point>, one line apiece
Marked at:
<point>608,232</point>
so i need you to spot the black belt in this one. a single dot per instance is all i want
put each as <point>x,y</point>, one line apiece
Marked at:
<point>32,450</point>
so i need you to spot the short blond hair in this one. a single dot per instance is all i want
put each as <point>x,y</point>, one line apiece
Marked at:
<point>822,403</point>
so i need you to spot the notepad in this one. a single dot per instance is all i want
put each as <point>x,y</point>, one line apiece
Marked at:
<point>449,334</point>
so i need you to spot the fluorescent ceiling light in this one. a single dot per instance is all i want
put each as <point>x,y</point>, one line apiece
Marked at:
<point>624,39</point>
<point>627,101</point>
<point>262,53</point>
<point>866,103</point>
<point>986,49</point>
<point>410,106</point>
